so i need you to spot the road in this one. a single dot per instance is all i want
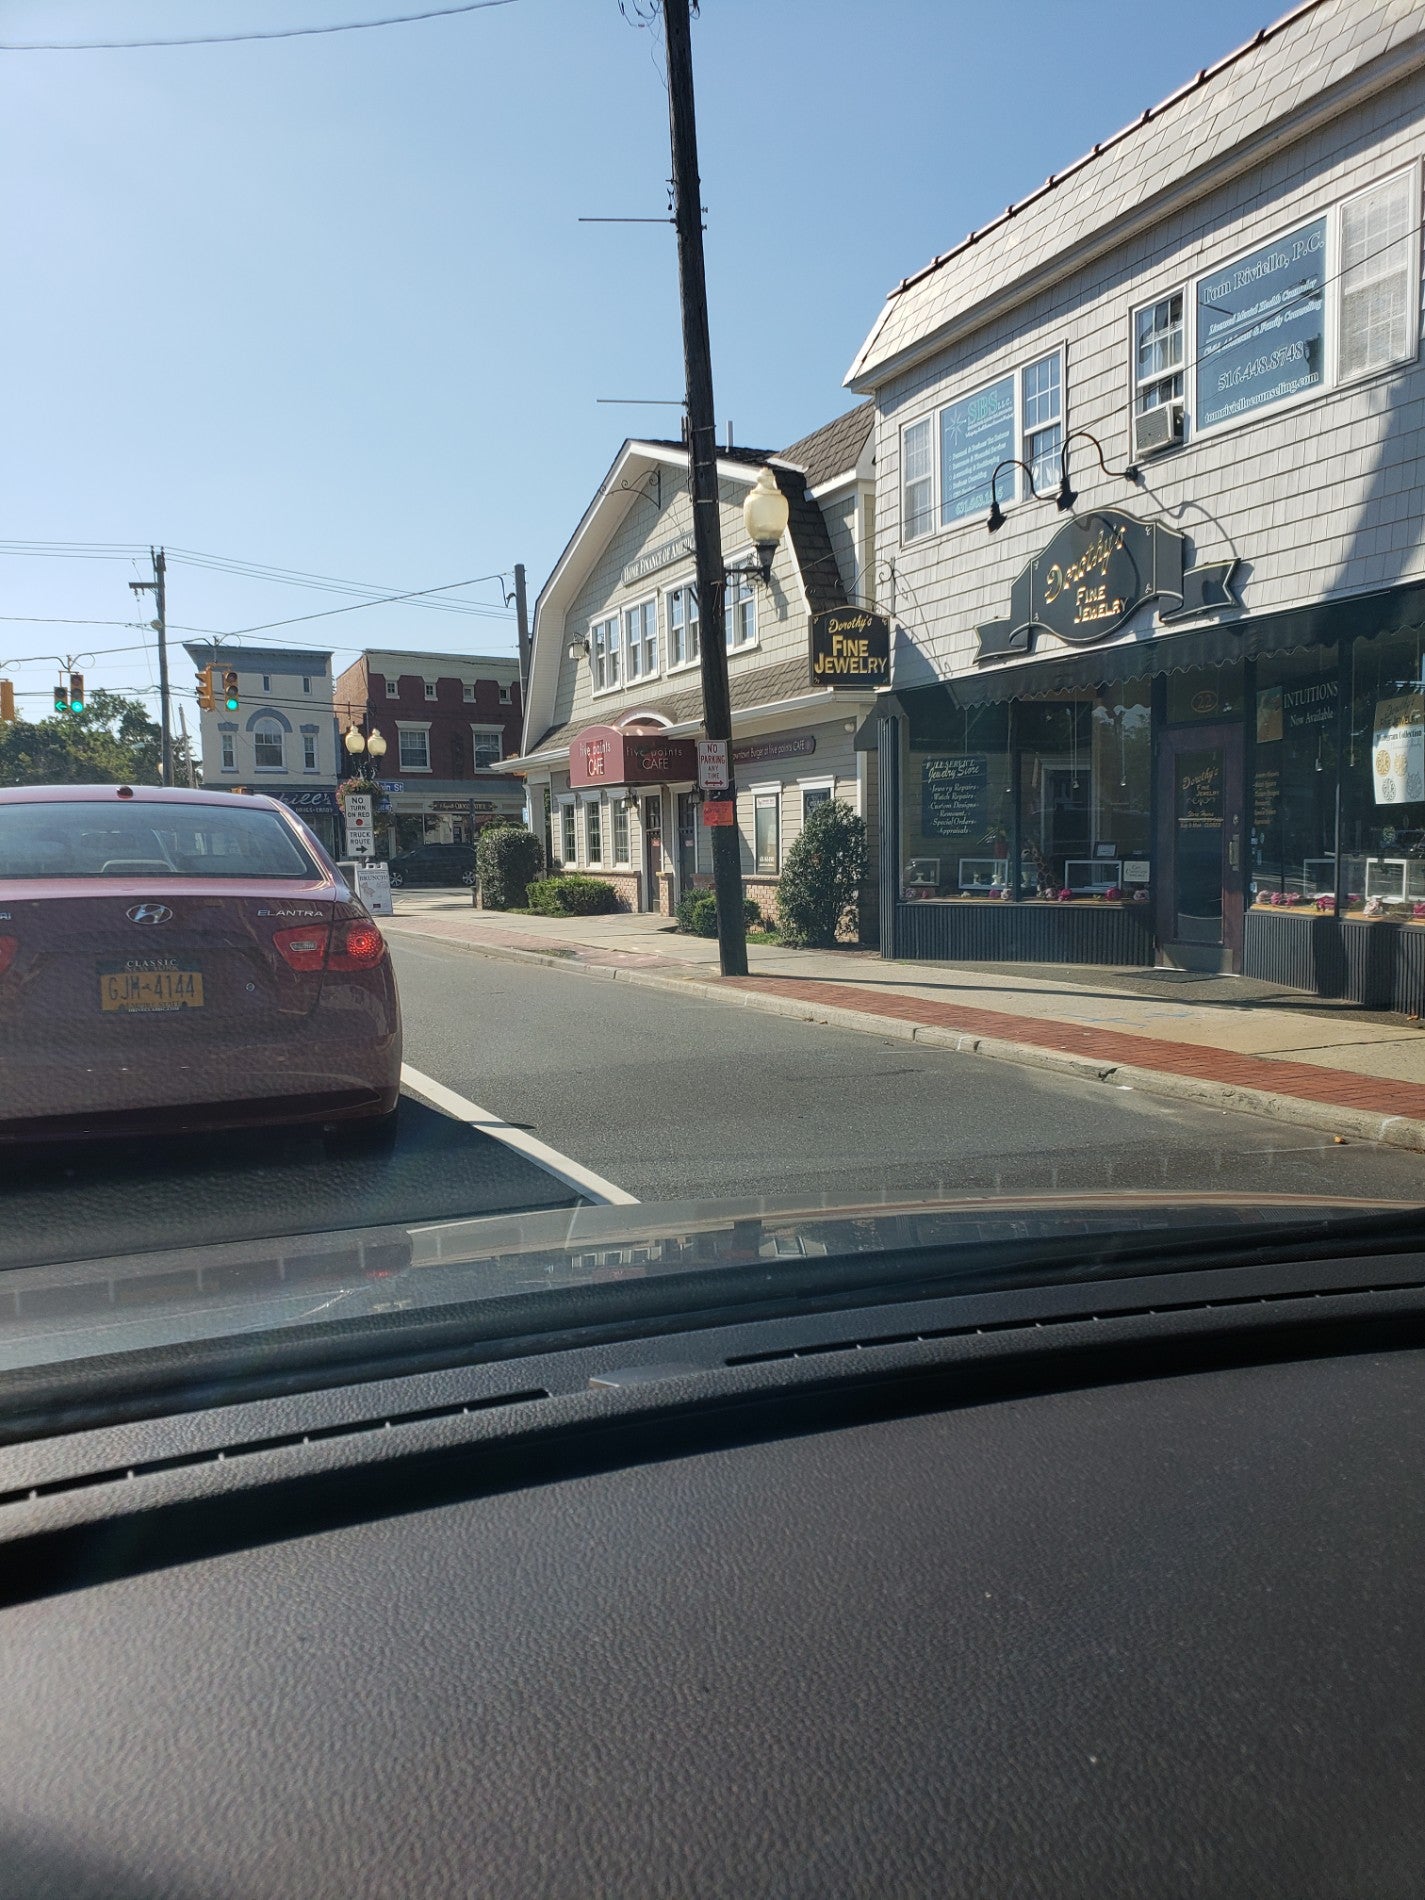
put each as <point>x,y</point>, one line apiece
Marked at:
<point>667,1098</point>
<point>677,1098</point>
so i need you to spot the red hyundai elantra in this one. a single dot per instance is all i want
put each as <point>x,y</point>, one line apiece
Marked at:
<point>174,960</point>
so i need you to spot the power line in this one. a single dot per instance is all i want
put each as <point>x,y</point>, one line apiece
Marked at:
<point>231,39</point>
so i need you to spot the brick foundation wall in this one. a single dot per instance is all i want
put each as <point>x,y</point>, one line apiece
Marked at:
<point>627,885</point>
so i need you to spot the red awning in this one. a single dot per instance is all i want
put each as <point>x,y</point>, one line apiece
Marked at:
<point>607,755</point>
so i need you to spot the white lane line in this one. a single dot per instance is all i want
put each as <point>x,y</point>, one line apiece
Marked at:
<point>437,1096</point>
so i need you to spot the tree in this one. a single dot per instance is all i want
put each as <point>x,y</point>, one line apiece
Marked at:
<point>112,742</point>
<point>818,889</point>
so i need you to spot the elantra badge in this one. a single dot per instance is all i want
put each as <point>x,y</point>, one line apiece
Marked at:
<point>148,914</point>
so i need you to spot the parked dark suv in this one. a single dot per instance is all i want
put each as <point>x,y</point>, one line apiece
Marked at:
<point>433,864</point>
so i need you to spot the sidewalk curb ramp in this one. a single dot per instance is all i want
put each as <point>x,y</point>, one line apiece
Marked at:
<point>1393,1131</point>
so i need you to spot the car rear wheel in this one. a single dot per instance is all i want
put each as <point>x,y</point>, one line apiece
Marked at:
<point>374,1136</point>
<point>468,878</point>
<point>397,878</point>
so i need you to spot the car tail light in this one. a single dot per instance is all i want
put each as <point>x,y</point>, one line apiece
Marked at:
<point>8,947</point>
<point>356,946</point>
<point>303,949</point>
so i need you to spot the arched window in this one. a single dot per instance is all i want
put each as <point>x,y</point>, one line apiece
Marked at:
<point>267,745</point>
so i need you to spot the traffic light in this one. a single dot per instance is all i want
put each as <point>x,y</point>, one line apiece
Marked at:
<point>76,692</point>
<point>61,698</point>
<point>205,688</point>
<point>7,699</point>
<point>230,690</point>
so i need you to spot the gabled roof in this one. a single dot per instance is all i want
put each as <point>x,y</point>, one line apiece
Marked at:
<point>1323,53</point>
<point>835,448</point>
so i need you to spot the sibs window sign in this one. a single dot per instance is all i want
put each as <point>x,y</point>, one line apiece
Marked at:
<point>1261,327</point>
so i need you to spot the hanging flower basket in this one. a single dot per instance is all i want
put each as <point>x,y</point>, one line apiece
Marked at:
<point>349,785</point>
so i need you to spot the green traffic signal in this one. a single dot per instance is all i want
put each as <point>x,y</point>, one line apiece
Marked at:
<point>230,690</point>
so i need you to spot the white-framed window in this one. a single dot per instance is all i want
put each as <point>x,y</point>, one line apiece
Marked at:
<point>568,836</point>
<point>1158,353</point>
<point>506,694</point>
<point>740,613</point>
<point>604,654</point>
<point>393,689</point>
<point>469,692</point>
<point>267,748</point>
<point>309,752</point>
<point>953,460</point>
<point>621,831</point>
<point>682,626</point>
<point>917,481</point>
<point>1377,285</point>
<point>229,740</point>
<point>488,746</point>
<point>306,682</point>
<point>640,640</point>
<point>767,830</point>
<point>413,748</point>
<point>816,791</point>
<point>593,831</point>
<point>1319,305</point>
<point>430,689</point>
<point>1041,418</point>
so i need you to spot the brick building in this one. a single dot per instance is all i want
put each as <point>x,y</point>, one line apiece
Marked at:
<point>1178,718</point>
<point>449,720</point>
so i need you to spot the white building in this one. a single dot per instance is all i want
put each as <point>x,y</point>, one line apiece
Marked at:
<point>282,740</point>
<point>1145,725</point>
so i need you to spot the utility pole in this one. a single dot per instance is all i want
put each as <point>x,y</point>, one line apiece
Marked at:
<point>187,746</point>
<point>522,623</point>
<point>160,626</point>
<point>702,468</point>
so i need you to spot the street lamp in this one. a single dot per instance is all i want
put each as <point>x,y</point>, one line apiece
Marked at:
<point>372,745</point>
<point>765,514</point>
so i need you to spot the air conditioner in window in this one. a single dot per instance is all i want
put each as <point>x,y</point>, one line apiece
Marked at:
<point>1158,428</point>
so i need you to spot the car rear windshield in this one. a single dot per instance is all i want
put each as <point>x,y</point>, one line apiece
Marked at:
<point>83,838</point>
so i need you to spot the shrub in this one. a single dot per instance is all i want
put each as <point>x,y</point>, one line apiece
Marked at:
<point>507,856</point>
<point>571,895</point>
<point>817,892</point>
<point>696,915</point>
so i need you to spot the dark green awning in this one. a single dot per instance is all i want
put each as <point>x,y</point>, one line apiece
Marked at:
<point>1359,617</point>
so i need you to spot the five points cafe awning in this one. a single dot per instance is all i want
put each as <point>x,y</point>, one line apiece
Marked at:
<point>605,755</point>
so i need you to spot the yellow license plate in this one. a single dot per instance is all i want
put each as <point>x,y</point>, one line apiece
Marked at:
<point>153,990</point>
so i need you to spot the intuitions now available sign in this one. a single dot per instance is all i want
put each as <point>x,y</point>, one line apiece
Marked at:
<point>850,648</point>
<point>1095,574</point>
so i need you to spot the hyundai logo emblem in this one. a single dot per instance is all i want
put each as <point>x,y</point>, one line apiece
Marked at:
<point>148,914</point>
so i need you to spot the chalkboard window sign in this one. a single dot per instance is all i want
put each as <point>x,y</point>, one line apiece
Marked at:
<point>955,796</point>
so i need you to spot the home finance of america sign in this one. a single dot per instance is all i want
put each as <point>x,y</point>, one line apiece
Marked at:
<point>662,556</point>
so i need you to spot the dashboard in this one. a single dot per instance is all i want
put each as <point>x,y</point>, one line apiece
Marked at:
<point>1087,1590</point>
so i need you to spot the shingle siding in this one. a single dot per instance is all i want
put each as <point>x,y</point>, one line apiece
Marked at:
<point>1319,499</point>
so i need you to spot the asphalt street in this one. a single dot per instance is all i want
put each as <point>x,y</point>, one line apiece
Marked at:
<point>675,1098</point>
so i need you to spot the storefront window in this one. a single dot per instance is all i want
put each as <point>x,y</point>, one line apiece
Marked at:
<point>620,831</point>
<point>1086,792</point>
<point>1291,802</point>
<point>567,839</point>
<point>1383,782</point>
<point>594,830</point>
<point>766,818</point>
<point>956,802</point>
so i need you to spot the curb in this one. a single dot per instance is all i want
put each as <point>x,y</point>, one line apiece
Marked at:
<point>1392,1131</point>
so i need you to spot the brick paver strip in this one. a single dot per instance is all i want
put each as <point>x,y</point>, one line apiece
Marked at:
<point>1111,1046</point>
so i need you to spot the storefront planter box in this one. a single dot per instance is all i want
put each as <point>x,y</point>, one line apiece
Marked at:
<point>974,932</point>
<point>1380,964</point>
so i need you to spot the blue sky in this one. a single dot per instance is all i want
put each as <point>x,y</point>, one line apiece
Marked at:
<point>325,305</point>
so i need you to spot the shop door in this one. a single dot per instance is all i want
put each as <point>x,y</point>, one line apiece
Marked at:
<point>1200,848</point>
<point>653,844</point>
<point>687,841</point>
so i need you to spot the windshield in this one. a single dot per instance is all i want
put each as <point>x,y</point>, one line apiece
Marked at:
<point>81,839</point>
<point>482,830</point>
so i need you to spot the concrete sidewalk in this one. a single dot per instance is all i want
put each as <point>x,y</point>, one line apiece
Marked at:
<point>1223,1041</point>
